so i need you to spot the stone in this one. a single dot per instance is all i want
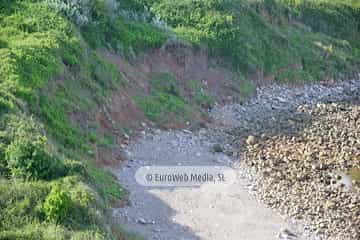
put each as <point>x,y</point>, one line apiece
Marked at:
<point>296,162</point>
<point>141,221</point>
<point>251,140</point>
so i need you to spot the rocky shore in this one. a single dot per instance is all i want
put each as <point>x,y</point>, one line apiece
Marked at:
<point>292,148</point>
<point>302,146</point>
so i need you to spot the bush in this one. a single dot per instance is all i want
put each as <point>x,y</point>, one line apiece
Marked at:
<point>79,11</point>
<point>74,168</point>
<point>161,106</point>
<point>200,95</point>
<point>20,234</point>
<point>85,203</point>
<point>34,41</point>
<point>21,203</point>
<point>29,160</point>
<point>57,204</point>
<point>106,184</point>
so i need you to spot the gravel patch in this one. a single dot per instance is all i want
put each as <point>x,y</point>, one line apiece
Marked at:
<point>256,206</point>
<point>302,164</point>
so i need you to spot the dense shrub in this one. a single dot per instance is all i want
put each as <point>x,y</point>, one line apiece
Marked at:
<point>82,12</point>
<point>28,159</point>
<point>34,41</point>
<point>21,203</point>
<point>126,37</point>
<point>78,11</point>
<point>47,70</point>
<point>23,150</point>
<point>335,18</point>
<point>57,204</point>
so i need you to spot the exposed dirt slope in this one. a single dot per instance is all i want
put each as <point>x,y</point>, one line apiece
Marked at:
<point>121,115</point>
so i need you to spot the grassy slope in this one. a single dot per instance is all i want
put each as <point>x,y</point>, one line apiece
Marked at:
<point>166,103</point>
<point>266,35</point>
<point>47,73</point>
<point>49,70</point>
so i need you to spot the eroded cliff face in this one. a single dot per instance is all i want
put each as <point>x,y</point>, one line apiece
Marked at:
<point>195,76</point>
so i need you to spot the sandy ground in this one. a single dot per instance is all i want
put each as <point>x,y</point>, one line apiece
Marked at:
<point>212,211</point>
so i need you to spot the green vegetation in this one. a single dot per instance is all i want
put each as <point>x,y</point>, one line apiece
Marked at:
<point>48,72</point>
<point>106,184</point>
<point>336,18</point>
<point>28,159</point>
<point>51,73</point>
<point>165,102</point>
<point>127,38</point>
<point>107,141</point>
<point>266,35</point>
<point>57,204</point>
<point>200,95</point>
<point>169,102</point>
<point>246,88</point>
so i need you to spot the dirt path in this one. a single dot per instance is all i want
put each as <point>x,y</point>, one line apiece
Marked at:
<point>214,212</point>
